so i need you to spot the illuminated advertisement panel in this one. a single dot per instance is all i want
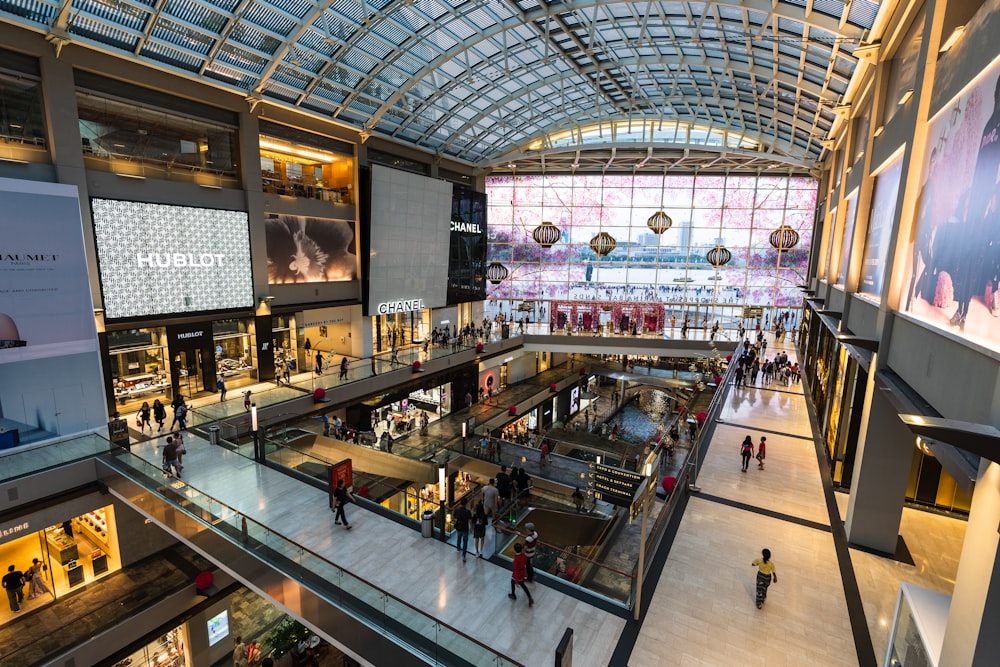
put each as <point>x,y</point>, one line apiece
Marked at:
<point>159,259</point>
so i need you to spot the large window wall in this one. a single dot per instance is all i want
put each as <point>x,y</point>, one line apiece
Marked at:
<point>739,212</point>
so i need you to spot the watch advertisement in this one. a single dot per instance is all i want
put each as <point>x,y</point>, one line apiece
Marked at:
<point>158,259</point>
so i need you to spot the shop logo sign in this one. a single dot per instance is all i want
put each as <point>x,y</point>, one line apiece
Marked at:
<point>466,227</point>
<point>404,306</point>
<point>14,530</point>
<point>164,260</point>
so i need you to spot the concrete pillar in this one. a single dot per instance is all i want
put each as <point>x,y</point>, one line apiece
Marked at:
<point>361,333</point>
<point>881,472</point>
<point>970,638</point>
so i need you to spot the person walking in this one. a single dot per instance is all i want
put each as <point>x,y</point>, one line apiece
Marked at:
<point>181,449</point>
<point>170,458</point>
<point>491,498</point>
<point>746,451</point>
<point>479,521</point>
<point>544,451</point>
<point>220,384</point>
<point>36,581</point>
<point>341,496</point>
<point>247,401</point>
<point>13,582</point>
<point>319,362</point>
<point>159,414</point>
<point>518,574</point>
<point>766,574</point>
<point>578,499</point>
<point>144,418</point>
<point>530,548</point>
<point>343,368</point>
<point>461,520</point>
<point>761,446</point>
<point>239,653</point>
<point>253,653</point>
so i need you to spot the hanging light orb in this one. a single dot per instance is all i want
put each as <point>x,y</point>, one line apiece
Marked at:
<point>546,234</point>
<point>659,222</point>
<point>603,244</point>
<point>496,273</point>
<point>784,238</point>
<point>719,256</point>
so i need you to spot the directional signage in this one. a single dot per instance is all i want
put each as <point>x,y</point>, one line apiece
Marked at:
<point>614,485</point>
<point>750,312</point>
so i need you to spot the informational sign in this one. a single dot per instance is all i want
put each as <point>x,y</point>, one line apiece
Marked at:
<point>751,312</point>
<point>342,471</point>
<point>218,627</point>
<point>615,485</point>
<point>156,259</point>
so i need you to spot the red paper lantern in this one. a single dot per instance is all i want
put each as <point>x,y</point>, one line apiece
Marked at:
<point>416,365</point>
<point>319,394</point>
<point>729,357</point>
<point>552,387</point>
<point>583,370</point>
<point>480,347</point>
<point>701,417</point>
<point>204,581</point>
<point>512,410</point>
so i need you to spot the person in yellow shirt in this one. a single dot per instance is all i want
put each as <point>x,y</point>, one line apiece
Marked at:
<point>766,573</point>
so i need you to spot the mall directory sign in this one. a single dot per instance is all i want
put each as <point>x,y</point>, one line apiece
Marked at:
<point>615,485</point>
<point>159,259</point>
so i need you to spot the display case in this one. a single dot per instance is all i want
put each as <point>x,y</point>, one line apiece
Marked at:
<point>61,546</point>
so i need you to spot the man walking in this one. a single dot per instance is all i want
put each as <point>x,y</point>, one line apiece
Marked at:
<point>462,517</point>
<point>13,583</point>
<point>343,368</point>
<point>170,458</point>
<point>220,384</point>
<point>491,498</point>
<point>319,362</point>
<point>530,546</point>
<point>503,485</point>
<point>341,496</point>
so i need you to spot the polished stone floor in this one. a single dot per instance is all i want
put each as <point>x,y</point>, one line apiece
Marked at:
<point>703,611</point>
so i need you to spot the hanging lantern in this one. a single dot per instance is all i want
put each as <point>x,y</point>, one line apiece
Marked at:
<point>603,244</point>
<point>719,256</point>
<point>496,273</point>
<point>784,238</point>
<point>659,222</point>
<point>546,234</point>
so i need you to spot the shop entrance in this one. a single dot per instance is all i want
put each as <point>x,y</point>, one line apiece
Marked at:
<point>191,371</point>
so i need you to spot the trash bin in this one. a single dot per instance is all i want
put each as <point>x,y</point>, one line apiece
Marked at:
<point>213,435</point>
<point>427,523</point>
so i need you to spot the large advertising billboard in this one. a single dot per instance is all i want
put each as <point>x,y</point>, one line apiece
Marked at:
<point>467,257</point>
<point>303,249</point>
<point>953,267</point>
<point>883,210</point>
<point>158,259</point>
<point>410,242</point>
<point>50,373</point>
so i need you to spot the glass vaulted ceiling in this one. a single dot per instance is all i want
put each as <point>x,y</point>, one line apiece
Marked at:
<point>488,81</point>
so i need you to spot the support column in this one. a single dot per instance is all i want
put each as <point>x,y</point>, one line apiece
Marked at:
<point>971,638</point>
<point>881,472</point>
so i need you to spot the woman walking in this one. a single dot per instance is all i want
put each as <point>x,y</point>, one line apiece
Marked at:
<point>766,573</point>
<point>479,521</point>
<point>36,582</point>
<point>159,414</point>
<point>144,418</point>
<point>746,451</point>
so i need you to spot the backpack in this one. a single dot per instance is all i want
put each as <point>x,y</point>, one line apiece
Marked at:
<point>182,411</point>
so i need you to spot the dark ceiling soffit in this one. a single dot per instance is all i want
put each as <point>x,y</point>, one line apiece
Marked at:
<point>869,344</point>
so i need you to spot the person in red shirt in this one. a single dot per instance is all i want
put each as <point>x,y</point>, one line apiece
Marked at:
<point>519,574</point>
<point>760,452</point>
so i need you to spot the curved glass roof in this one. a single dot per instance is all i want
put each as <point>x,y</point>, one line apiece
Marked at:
<point>489,81</point>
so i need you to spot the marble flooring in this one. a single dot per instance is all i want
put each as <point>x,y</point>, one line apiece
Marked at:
<point>702,610</point>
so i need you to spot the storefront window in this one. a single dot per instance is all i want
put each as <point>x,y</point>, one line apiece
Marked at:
<point>299,170</point>
<point>22,123</point>
<point>136,140</point>
<point>137,358</point>
<point>234,352</point>
<point>62,558</point>
<point>167,650</point>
